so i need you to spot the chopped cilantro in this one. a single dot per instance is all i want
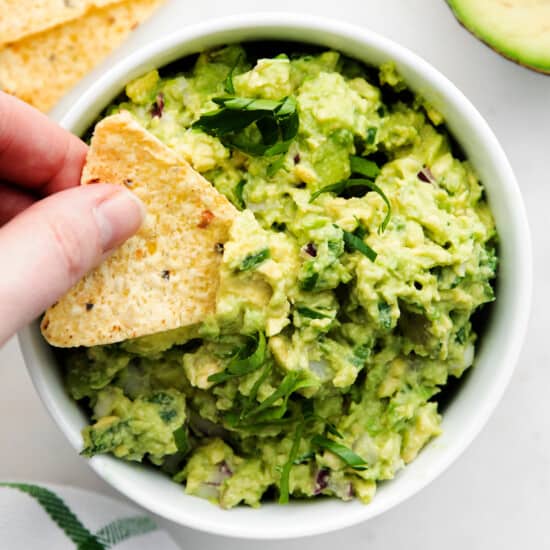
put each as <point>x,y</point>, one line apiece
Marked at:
<point>254,260</point>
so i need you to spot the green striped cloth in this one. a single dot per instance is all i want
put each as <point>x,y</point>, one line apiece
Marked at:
<point>46,516</point>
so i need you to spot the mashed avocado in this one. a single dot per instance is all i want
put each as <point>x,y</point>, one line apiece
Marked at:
<point>362,249</point>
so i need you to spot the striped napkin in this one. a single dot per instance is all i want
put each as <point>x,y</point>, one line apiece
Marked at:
<point>49,516</point>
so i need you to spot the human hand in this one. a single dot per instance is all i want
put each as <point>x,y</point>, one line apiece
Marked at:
<point>52,231</point>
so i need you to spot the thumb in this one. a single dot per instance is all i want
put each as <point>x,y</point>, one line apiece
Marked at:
<point>45,250</point>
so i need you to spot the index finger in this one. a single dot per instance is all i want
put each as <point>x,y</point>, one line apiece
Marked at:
<point>36,153</point>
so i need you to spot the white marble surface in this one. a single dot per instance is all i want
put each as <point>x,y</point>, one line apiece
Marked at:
<point>498,493</point>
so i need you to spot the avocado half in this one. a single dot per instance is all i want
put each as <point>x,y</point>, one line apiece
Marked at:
<point>517,29</point>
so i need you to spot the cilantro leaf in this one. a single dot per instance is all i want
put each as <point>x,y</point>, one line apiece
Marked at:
<point>285,474</point>
<point>239,188</point>
<point>341,451</point>
<point>251,397</point>
<point>359,182</point>
<point>228,85</point>
<point>304,458</point>
<point>335,188</point>
<point>311,313</point>
<point>364,167</point>
<point>181,440</point>
<point>371,135</point>
<point>276,121</point>
<point>369,170</point>
<point>254,260</point>
<point>309,414</point>
<point>224,121</point>
<point>267,410</point>
<point>242,364</point>
<point>354,243</point>
<point>275,166</point>
<point>309,282</point>
<point>331,429</point>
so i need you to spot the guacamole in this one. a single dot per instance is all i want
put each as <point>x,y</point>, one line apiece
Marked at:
<point>362,249</point>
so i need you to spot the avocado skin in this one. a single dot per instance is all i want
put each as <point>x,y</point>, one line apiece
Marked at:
<point>517,57</point>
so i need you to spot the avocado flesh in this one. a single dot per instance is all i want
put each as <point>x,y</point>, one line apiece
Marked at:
<point>517,29</point>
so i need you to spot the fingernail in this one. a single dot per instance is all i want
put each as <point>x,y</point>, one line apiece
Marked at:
<point>118,218</point>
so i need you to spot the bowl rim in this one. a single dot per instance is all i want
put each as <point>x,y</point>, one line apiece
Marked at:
<point>81,113</point>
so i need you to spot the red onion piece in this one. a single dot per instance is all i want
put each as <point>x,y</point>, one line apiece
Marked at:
<point>310,249</point>
<point>158,106</point>
<point>321,481</point>
<point>426,175</point>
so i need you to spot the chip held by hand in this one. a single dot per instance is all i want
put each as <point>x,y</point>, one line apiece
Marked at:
<point>166,276</point>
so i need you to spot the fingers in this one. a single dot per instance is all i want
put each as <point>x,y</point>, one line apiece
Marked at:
<point>34,151</point>
<point>52,244</point>
<point>12,202</point>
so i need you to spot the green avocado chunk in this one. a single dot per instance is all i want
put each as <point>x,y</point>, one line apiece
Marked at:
<point>517,29</point>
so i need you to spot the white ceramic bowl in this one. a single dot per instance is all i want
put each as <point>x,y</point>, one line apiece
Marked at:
<point>498,349</point>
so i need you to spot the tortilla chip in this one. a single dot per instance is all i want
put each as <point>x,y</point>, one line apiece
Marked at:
<point>21,18</point>
<point>40,69</point>
<point>167,275</point>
